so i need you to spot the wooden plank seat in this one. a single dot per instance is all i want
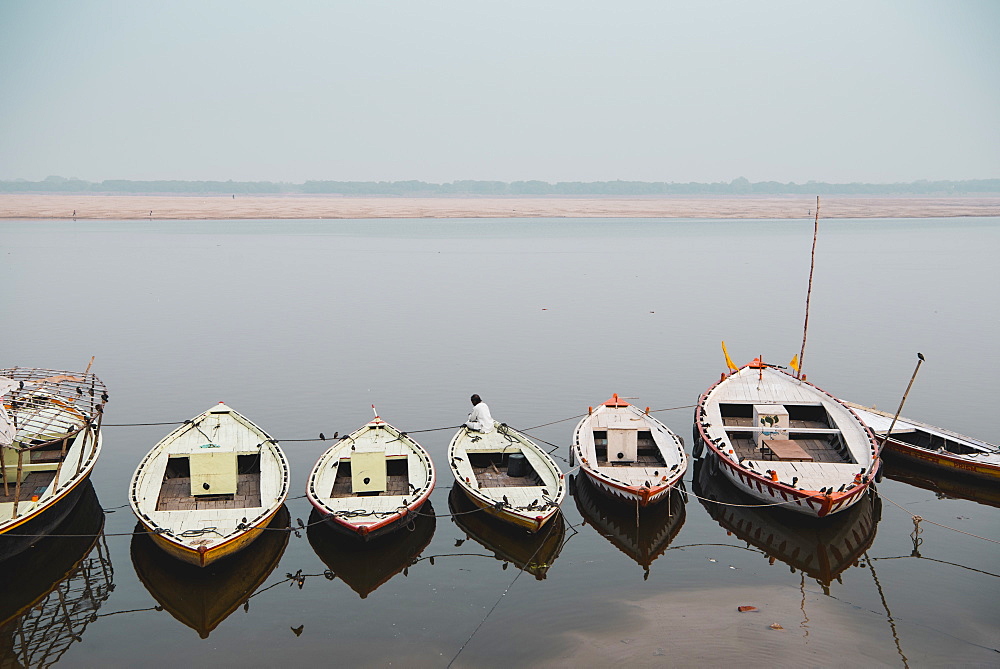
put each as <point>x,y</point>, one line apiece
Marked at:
<point>786,450</point>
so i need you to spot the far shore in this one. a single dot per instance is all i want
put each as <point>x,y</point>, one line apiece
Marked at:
<point>249,207</point>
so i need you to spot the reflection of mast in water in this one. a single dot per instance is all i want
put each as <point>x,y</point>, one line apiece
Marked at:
<point>533,553</point>
<point>821,547</point>
<point>365,566</point>
<point>53,590</point>
<point>643,536</point>
<point>202,597</point>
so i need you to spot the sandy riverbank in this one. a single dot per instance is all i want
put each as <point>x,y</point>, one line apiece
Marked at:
<point>118,207</point>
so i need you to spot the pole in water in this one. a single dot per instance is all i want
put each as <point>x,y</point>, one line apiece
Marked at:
<point>885,437</point>
<point>812,266</point>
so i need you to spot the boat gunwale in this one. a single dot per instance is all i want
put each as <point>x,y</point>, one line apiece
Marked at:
<point>366,529</point>
<point>532,520</point>
<point>832,502</point>
<point>642,494</point>
<point>267,513</point>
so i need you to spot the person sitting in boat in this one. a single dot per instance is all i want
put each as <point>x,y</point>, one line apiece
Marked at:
<point>480,419</point>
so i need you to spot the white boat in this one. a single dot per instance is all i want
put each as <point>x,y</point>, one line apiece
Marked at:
<point>210,487</point>
<point>784,441</point>
<point>507,475</point>
<point>50,439</point>
<point>945,452</point>
<point>627,454</point>
<point>372,481</point>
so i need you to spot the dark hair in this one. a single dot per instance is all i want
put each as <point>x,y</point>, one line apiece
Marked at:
<point>476,399</point>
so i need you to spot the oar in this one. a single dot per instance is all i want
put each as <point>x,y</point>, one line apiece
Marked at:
<point>885,437</point>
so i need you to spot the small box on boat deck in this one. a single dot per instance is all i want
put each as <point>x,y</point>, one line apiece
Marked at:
<point>368,471</point>
<point>213,473</point>
<point>770,421</point>
<point>623,444</point>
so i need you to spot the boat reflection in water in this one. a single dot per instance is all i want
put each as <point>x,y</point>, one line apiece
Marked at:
<point>943,485</point>
<point>643,536</point>
<point>366,565</point>
<point>50,592</point>
<point>822,548</point>
<point>533,553</point>
<point>202,597</point>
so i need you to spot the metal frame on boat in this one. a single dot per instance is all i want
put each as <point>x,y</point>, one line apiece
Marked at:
<point>52,439</point>
<point>784,441</point>
<point>210,487</point>
<point>373,481</point>
<point>488,469</point>
<point>627,454</point>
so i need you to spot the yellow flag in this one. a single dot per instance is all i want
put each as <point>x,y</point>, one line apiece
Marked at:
<point>729,362</point>
<point>794,364</point>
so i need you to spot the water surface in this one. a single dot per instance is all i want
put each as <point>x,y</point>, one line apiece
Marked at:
<point>302,325</point>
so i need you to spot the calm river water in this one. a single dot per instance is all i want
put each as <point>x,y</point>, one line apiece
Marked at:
<point>303,325</point>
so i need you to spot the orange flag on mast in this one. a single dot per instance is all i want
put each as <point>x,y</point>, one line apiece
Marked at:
<point>729,361</point>
<point>794,364</point>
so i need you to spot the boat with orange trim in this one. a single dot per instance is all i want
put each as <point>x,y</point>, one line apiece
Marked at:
<point>785,442</point>
<point>210,487</point>
<point>50,439</point>
<point>372,481</point>
<point>627,453</point>
<point>507,475</point>
<point>944,451</point>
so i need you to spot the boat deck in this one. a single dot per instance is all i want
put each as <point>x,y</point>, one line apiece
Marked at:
<point>175,495</point>
<point>820,450</point>
<point>395,484</point>
<point>35,483</point>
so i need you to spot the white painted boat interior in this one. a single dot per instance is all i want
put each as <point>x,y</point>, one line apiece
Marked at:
<point>398,469</point>
<point>832,444</point>
<point>211,478</point>
<point>482,462</point>
<point>629,446</point>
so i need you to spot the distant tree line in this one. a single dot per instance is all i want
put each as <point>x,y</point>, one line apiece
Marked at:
<point>740,186</point>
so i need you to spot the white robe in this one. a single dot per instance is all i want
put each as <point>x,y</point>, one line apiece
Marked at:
<point>480,418</point>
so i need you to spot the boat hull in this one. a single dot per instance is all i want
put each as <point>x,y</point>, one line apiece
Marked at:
<point>202,556</point>
<point>531,523</point>
<point>636,495</point>
<point>948,465</point>
<point>374,530</point>
<point>770,492</point>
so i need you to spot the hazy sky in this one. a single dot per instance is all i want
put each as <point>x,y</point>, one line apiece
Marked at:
<point>867,90</point>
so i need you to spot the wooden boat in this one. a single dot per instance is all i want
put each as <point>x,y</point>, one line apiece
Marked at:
<point>50,439</point>
<point>366,566</point>
<point>371,482</point>
<point>643,536</point>
<point>924,445</point>
<point>627,454</point>
<point>507,475</point>
<point>784,441</point>
<point>822,550</point>
<point>203,598</point>
<point>210,487</point>
<point>533,553</point>
<point>53,590</point>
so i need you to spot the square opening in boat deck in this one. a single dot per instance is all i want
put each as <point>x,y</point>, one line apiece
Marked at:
<point>491,471</point>
<point>175,490</point>
<point>397,479</point>
<point>646,453</point>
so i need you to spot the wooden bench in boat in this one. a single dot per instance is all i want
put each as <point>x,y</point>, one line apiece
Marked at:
<point>786,450</point>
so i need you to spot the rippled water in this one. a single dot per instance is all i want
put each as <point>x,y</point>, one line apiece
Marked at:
<point>302,325</point>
